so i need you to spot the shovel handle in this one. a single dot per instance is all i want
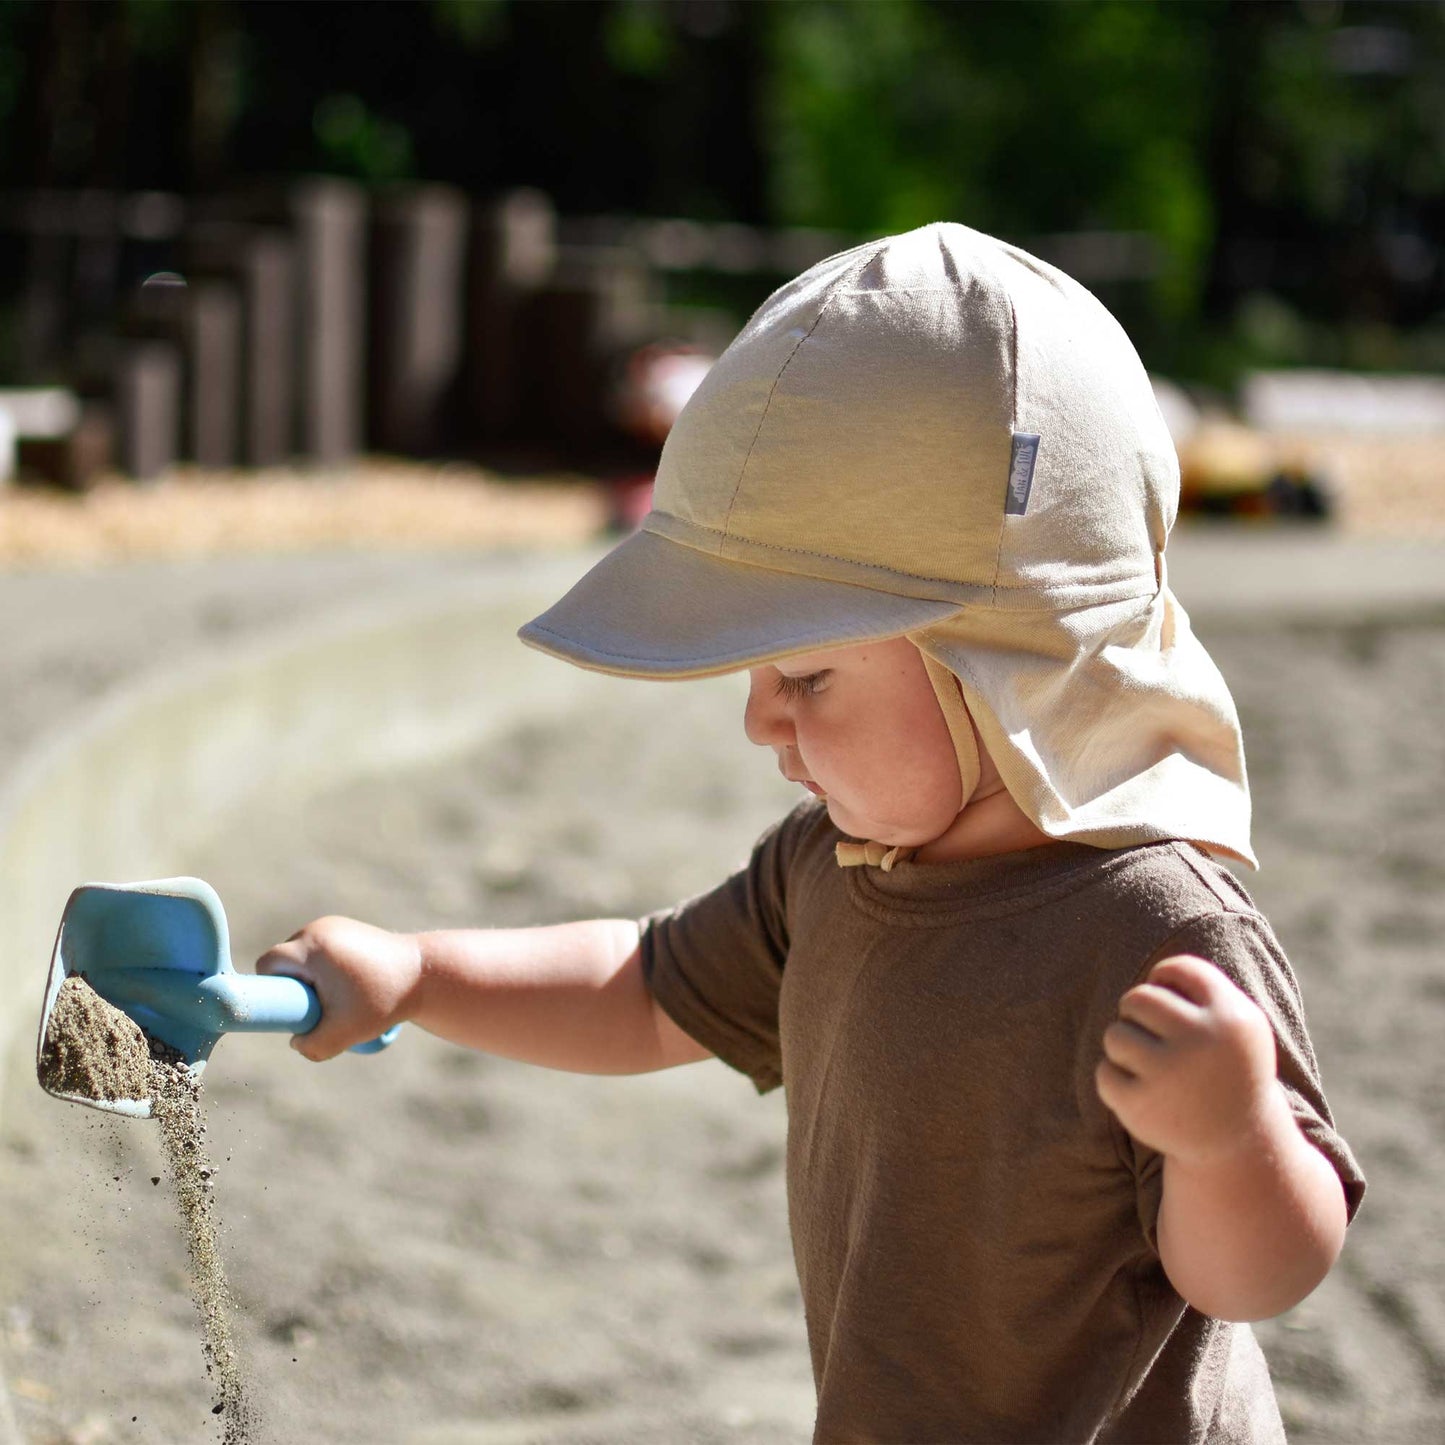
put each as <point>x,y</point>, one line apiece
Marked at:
<point>225,1002</point>
<point>380,1042</point>
<point>285,1004</point>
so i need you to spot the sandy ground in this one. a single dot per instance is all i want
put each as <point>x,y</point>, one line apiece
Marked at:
<point>438,1248</point>
<point>1382,486</point>
<point>68,636</point>
<point>429,1245</point>
<point>376,501</point>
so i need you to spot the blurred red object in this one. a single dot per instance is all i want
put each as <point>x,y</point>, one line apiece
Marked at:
<point>631,500</point>
<point>655,385</point>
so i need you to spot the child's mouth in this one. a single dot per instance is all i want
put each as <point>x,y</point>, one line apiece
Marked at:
<point>792,777</point>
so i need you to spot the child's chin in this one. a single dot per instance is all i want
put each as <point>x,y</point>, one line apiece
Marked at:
<point>889,834</point>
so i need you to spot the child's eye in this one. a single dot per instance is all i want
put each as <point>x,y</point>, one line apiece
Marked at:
<point>797,688</point>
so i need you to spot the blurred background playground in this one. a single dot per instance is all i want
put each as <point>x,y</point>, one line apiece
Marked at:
<point>336,339</point>
<point>284,238</point>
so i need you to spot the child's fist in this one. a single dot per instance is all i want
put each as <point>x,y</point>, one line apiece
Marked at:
<point>365,977</point>
<point>1189,1064</point>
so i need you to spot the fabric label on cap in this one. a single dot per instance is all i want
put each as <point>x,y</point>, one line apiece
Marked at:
<point>1021,472</point>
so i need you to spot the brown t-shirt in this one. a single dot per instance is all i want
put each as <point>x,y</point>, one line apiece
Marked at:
<point>973,1229</point>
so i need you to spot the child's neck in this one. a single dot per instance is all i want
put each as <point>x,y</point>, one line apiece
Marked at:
<point>990,824</point>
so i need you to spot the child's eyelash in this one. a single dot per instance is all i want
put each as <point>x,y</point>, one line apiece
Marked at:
<point>797,688</point>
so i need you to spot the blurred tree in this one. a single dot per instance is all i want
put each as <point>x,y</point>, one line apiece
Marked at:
<point>352,141</point>
<point>1019,119</point>
<point>1283,159</point>
<point>1327,156</point>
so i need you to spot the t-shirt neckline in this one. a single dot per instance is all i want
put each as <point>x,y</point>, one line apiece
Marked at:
<point>998,883</point>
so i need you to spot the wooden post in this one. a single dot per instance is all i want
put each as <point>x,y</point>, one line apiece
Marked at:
<point>330,218</point>
<point>417,276</point>
<point>148,404</point>
<point>260,261</point>
<point>203,321</point>
<point>513,250</point>
<point>214,348</point>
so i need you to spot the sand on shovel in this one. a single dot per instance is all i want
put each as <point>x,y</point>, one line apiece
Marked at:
<point>96,1051</point>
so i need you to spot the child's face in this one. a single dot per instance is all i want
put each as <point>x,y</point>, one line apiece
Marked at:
<point>861,727</point>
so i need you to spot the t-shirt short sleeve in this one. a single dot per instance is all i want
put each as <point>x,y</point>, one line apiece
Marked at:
<point>715,962</point>
<point>1244,948</point>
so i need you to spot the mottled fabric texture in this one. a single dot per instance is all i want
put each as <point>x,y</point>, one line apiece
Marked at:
<point>973,1230</point>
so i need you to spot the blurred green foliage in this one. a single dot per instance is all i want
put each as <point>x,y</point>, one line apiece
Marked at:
<point>1282,161</point>
<point>1021,118</point>
<point>353,141</point>
<point>473,22</point>
<point>639,38</point>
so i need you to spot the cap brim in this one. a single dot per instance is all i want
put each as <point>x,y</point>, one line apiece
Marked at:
<point>657,608</point>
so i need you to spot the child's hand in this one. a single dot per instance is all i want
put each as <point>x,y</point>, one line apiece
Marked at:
<point>1189,1065</point>
<point>365,977</point>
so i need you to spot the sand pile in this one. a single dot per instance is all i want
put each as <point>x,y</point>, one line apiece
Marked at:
<point>91,1049</point>
<point>94,1051</point>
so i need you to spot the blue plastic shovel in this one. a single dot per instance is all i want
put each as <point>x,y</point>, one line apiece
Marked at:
<point>161,952</point>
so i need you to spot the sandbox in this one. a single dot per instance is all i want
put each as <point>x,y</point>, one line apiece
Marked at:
<point>440,1248</point>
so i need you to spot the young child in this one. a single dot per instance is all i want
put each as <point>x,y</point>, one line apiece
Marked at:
<point>1054,1118</point>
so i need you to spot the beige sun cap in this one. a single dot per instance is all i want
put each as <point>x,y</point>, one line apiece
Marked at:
<point>939,435</point>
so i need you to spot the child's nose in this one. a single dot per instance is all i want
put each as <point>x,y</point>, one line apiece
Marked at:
<point>765,721</point>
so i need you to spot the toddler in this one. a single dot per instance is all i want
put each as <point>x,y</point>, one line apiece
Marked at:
<point>1055,1126</point>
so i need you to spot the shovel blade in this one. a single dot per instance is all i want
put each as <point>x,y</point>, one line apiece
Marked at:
<point>160,952</point>
<point>107,931</point>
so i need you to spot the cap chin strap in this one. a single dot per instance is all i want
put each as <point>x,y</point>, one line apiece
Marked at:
<point>947,690</point>
<point>871,853</point>
<point>965,747</point>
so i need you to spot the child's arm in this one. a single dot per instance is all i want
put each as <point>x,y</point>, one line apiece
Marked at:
<point>569,997</point>
<point>1253,1215</point>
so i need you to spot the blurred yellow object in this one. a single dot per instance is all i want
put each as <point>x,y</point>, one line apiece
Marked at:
<point>1226,469</point>
<point>1223,456</point>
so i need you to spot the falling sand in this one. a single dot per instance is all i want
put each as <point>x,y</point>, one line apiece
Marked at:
<point>94,1051</point>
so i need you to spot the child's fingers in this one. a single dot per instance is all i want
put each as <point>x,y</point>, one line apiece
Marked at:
<point>1130,1047</point>
<point>1160,1010</point>
<point>1114,1084</point>
<point>285,958</point>
<point>306,1046</point>
<point>292,959</point>
<point>329,1037</point>
<point>1188,976</point>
